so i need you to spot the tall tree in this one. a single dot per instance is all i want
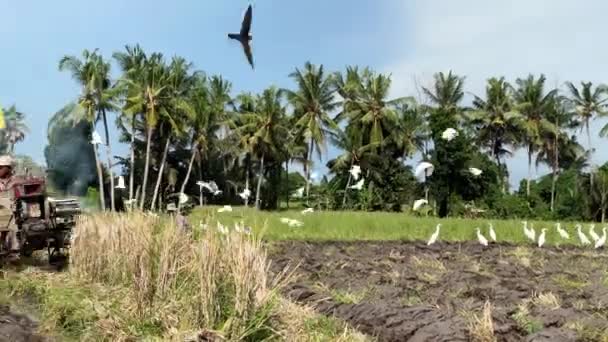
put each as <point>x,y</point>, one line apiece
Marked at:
<point>549,149</point>
<point>180,84</point>
<point>588,102</point>
<point>533,103</point>
<point>15,130</point>
<point>449,157</point>
<point>86,73</point>
<point>149,91</point>
<point>372,112</point>
<point>131,63</point>
<point>312,102</point>
<point>498,124</point>
<point>267,124</point>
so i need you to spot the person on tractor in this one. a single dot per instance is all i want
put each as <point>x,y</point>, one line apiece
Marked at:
<point>8,228</point>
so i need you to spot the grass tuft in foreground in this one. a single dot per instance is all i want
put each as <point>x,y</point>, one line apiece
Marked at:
<point>136,277</point>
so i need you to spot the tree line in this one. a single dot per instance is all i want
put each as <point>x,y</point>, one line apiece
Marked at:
<point>184,126</point>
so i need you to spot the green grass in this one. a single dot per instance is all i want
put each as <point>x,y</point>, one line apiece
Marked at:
<point>353,226</point>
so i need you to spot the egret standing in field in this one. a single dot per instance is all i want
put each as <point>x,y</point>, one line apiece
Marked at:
<point>308,211</point>
<point>541,237</point>
<point>419,203</point>
<point>434,236</point>
<point>602,240</point>
<point>529,232</point>
<point>592,233</point>
<point>564,234</point>
<point>581,236</point>
<point>481,238</point>
<point>492,233</point>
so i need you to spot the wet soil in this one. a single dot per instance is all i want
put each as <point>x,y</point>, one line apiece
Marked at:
<point>398,291</point>
<point>16,327</point>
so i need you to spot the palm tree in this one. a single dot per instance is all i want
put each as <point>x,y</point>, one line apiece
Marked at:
<point>179,84</point>
<point>534,104</point>
<point>499,126</point>
<point>149,91</point>
<point>312,102</point>
<point>551,142</point>
<point>588,102</point>
<point>16,129</point>
<point>87,73</point>
<point>269,132</point>
<point>411,130</point>
<point>355,153</point>
<point>104,98</point>
<point>371,112</point>
<point>219,100</point>
<point>204,122</point>
<point>131,63</point>
<point>445,96</point>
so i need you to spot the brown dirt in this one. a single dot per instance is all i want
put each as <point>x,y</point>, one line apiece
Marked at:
<point>396,291</point>
<point>17,327</point>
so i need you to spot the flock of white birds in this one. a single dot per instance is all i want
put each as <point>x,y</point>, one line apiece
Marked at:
<point>530,233</point>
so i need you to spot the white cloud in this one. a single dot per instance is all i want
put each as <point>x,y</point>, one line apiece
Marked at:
<point>480,39</point>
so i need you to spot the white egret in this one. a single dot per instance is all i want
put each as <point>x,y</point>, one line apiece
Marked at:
<point>434,236</point>
<point>492,233</point>
<point>211,186</point>
<point>424,168</point>
<point>419,203</point>
<point>299,192</point>
<point>475,171</point>
<point>541,237</point>
<point>581,236</point>
<point>602,240</point>
<point>96,139</point>
<point>245,194</point>
<point>308,210</point>
<point>564,234</point>
<point>355,171</point>
<point>592,233</point>
<point>295,223</point>
<point>225,208</point>
<point>359,185</point>
<point>449,134</point>
<point>481,238</point>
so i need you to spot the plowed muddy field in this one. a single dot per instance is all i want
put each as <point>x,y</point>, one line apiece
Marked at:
<point>398,291</point>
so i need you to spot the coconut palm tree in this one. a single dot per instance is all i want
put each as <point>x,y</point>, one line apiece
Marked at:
<point>588,102</point>
<point>131,63</point>
<point>498,124</point>
<point>180,83</point>
<point>16,129</point>
<point>354,153</point>
<point>534,103</point>
<point>269,132</point>
<point>312,103</point>
<point>411,130</point>
<point>549,150</point>
<point>86,72</point>
<point>371,113</point>
<point>149,91</point>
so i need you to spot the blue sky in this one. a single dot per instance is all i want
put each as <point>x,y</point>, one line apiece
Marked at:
<point>410,39</point>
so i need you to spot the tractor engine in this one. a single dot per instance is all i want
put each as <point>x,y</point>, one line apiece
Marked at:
<point>43,222</point>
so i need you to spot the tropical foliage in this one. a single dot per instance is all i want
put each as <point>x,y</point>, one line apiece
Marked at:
<point>185,127</point>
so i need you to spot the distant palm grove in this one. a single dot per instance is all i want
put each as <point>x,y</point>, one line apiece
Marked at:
<point>184,126</point>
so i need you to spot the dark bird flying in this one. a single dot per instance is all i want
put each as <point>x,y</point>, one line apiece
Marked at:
<point>244,37</point>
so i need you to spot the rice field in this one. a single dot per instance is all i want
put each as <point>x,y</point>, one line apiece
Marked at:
<point>379,226</point>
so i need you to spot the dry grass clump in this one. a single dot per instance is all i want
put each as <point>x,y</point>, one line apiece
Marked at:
<point>481,329</point>
<point>216,282</point>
